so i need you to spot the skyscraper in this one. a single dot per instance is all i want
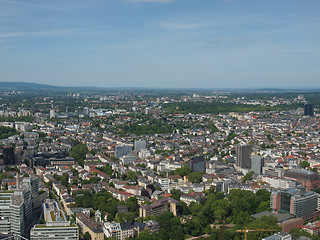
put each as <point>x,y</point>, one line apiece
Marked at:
<point>257,163</point>
<point>197,164</point>
<point>16,206</point>
<point>244,156</point>
<point>308,110</point>
<point>139,144</point>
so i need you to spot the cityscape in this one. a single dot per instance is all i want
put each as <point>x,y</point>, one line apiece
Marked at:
<point>159,120</point>
<point>158,164</point>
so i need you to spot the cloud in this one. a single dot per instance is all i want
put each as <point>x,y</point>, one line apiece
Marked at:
<point>180,26</point>
<point>160,1</point>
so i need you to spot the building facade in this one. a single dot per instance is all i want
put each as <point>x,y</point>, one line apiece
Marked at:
<point>243,156</point>
<point>56,227</point>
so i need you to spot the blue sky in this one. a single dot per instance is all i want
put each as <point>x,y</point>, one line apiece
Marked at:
<point>161,43</point>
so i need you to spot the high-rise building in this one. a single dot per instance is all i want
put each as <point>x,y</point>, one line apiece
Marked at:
<point>56,227</point>
<point>257,163</point>
<point>16,206</point>
<point>86,111</point>
<point>122,150</point>
<point>294,201</point>
<point>52,113</point>
<point>197,164</point>
<point>139,144</point>
<point>308,110</point>
<point>8,156</point>
<point>244,156</point>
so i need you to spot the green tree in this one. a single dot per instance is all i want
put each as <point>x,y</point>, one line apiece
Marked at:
<point>248,176</point>
<point>265,222</point>
<point>304,164</point>
<point>87,236</point>
<point>79,152</point>
<point>195,177</point>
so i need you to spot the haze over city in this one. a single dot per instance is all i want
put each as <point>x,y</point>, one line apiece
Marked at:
<point>161,43</point>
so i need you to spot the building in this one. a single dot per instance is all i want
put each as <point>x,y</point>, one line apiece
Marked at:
<point>197,164</point>
<point>86,224</point>
<point>308,110</point>
<point>52,113</point>
<point>196,197</point>
<point>257,163</point>
<point>122,150</point>
<point>86,111</point>
<point>279,236</point>
<point>161,206</point>
<point>128,159</point>
<point>8,156</point>
<point>56,227</point>
<point>310,180</point>
<point>244,156</point>
<point>276,171</point>
<point>49,158</point>
<point>164,183</point>
<point>120,231</point>
<point>151,225</point>
<point>16,206</point>
<point>294,201</point>
<point>139,144</point>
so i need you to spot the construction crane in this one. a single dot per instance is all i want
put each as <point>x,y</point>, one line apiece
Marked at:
<point>246,230</point>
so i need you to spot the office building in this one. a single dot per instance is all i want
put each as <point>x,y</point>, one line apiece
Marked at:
<point>56,227</point>
<point>276,171</point>
<point>122,150</point>
<point>308,110</point>
<point>139,144</point>
<point>164,183</point>
<point>244,156</point>
<point>197,164</point>
<point>8,156</point>
<point>86,111</point>
<point>52,113</point>
<point>310,180</point>
<point>294,201</point>
<point>16,206</point>
<point>257,163</point>
<point>48,158</point>
<point>161,206</point>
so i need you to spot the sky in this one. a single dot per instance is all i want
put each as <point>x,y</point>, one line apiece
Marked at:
<point>161,43</point>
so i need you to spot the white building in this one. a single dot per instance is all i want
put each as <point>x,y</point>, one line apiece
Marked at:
<point>52,113</point>
<point>164,183</point>
<point>16,206</point>
<point>120,231</point>
<point>57,227</point>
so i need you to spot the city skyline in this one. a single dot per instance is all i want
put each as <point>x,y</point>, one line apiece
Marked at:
<point>161,43</point>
